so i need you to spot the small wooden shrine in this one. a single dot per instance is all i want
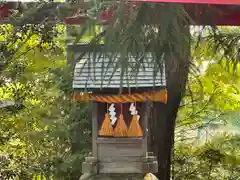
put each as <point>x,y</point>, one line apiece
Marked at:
<point>119,121</point>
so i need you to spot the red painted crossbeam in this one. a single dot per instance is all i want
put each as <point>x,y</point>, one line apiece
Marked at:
<point>227,2</point>
<point>221,15</point>
<point>228,11</point>
<point>4,11</point>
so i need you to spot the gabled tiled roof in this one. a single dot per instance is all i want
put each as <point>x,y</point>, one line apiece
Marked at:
<point>101,74</point>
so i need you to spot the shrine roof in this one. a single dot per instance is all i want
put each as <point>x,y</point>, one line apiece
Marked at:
<point>102,74</point>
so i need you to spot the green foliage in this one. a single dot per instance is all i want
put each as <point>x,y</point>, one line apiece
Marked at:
<point>218,159</point>
<point>49,136</point>
<point>211,93</point>
<point>210,106</point>
<point>46,135</point>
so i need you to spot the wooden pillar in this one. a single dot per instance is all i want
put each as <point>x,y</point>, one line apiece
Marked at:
<point>94,128</point>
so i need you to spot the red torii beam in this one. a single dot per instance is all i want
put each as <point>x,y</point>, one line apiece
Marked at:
<point>5,10</point>
<point>219,12</point>
<point>225,2</point>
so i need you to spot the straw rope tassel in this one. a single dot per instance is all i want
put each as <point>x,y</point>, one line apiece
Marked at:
<point>106,128</point>
<point>121,127</point>
<point>135,129</point>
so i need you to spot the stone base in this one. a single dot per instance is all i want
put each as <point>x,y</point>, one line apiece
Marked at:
<point>147,164</point>
<point>150,167</point>
<point>113,177</point>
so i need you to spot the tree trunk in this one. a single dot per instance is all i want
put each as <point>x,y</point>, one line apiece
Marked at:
<point>164,115</point>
